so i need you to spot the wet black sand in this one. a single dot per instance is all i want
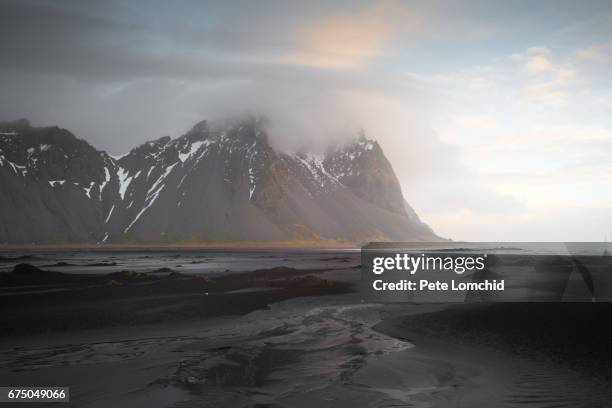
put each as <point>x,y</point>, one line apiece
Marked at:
<point>575,335</point>
<point>36,301</point>
<point>290,337</point>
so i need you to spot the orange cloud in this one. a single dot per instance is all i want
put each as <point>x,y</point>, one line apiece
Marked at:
<point>347,40</point>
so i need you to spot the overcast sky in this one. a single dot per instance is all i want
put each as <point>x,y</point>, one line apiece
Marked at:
<point>495,115</point>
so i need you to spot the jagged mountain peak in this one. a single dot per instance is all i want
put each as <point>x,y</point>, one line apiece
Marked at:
<point>242,130</point>
<point>14,125</point>
<point>26,134</point>
<point>153,146</point>
<point>200,128</point>
<point>238,127</point>
<point>235,131</point>
<point>363,167</point>
<point>217,182</point>
<point>48,153</point>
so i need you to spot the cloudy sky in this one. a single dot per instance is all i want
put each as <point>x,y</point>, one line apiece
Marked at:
<point>495,115</point>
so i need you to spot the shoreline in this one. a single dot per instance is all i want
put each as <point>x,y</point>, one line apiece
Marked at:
<point>272,245</point>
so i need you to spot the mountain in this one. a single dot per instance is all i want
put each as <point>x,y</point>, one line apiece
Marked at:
<point>213,184</point>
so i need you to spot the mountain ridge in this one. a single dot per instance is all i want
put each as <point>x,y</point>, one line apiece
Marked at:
<point>212,184</point>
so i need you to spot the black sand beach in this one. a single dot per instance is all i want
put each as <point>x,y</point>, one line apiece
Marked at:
<point>133,335</point>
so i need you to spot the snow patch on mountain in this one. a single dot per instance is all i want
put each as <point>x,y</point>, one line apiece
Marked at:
<point>183,157</point>
<point>124,181</point>
<point>152,195</point>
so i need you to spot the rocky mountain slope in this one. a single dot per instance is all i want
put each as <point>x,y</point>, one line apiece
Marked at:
<point>221,184</point>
